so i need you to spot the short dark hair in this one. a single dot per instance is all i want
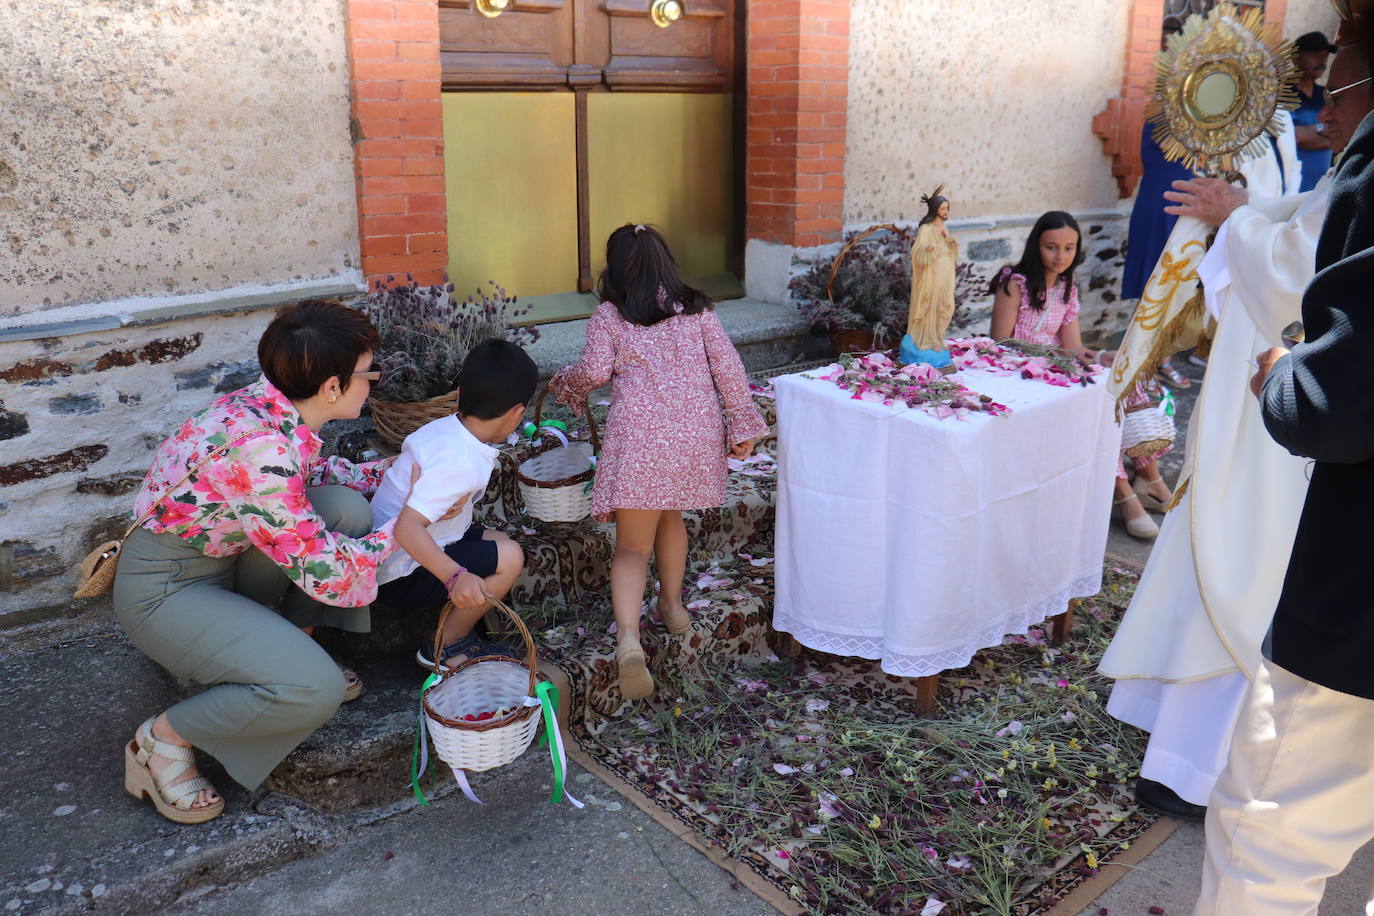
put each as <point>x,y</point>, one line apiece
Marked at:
<point>496,376</point>
<point>311,342</point>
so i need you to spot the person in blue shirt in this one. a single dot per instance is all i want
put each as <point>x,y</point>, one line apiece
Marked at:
<point>1311,53</point>
<point>1150,225</point>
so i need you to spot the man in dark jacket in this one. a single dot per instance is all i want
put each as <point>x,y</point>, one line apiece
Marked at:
<point>1297,797</point>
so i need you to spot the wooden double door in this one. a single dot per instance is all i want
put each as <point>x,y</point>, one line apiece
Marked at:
<point>564,119</point>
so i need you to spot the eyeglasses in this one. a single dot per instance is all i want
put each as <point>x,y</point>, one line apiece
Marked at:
<point>372,375</point>
<point>1332,93</point>
<point>1343,9</point>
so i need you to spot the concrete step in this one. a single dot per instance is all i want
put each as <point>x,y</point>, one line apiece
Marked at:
<point>767,335</point>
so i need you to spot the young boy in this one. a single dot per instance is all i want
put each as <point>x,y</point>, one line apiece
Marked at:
<point>444,556</point>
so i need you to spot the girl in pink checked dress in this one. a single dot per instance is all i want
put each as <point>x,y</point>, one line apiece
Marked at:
<point>679,403</point>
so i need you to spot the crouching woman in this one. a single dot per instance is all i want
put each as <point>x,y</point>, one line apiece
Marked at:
<point>249,538</point>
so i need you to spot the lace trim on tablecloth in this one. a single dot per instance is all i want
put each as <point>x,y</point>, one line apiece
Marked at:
<point>1018,622</point>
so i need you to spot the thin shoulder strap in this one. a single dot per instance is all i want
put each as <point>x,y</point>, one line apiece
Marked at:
<point>214,453</point>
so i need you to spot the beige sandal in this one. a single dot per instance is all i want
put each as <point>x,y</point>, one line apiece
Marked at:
<point>677,620</point>
<point>171,801</point>
<point>635,681</point>
<point>353,685</point>
<point>1142,526</point>
<point>1151,502</point>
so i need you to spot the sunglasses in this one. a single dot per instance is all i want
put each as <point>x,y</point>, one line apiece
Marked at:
<point>371,375</point>
<point>1343,10</point>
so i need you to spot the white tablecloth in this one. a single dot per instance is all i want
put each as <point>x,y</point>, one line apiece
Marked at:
<point>919,541</point>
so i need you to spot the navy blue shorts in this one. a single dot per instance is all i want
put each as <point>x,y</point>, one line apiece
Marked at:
<point>421,589</point>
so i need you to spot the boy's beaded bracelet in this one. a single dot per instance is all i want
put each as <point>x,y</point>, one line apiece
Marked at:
<point>453,579</point>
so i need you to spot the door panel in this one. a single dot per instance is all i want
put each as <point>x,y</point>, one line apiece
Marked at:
<point>662,158</point>
<point>566,118</point>
<point>511,172</point>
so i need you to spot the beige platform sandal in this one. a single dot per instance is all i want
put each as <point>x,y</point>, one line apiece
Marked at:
<point>678,620</point>
<point>1142,527</point>
<point>171,801</point>
<point>353,685</point>
<point>635,681</point>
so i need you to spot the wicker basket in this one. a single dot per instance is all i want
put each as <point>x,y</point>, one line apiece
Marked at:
<point>1146,430</point>
<point>479,685</point>
<point>855,340</point>
<point>555,480</point>
<point>395,420</point>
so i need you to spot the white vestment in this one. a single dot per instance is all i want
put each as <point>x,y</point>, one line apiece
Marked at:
<point>1191,637</point>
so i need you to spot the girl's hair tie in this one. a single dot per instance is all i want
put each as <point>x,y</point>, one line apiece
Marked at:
<point>639,228</point>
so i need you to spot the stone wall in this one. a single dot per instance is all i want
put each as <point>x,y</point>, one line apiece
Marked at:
<point>1305,16</point>
<point>168,146</point>
<point>79,419</point>
<point>994,101</point>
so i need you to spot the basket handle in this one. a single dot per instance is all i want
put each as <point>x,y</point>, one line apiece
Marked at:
<point>591,421</point>
<point>839,258</point>
<point>519,625</point>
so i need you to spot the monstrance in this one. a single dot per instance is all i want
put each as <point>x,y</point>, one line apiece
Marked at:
<point>1219,86</point>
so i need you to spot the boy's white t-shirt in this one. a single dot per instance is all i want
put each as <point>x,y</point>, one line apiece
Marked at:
<point>453,463</point>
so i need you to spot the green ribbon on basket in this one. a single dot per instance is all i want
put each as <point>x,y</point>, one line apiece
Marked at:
<point>548,704</point>
<point>420,749</point>
<point>530,430</point>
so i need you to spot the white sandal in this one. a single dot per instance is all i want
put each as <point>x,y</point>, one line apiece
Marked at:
<point>171,801</point>
<point>1142,527</point>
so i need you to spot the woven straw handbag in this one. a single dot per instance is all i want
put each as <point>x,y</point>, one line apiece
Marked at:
<point>555,481</point>
<point>98,567</point>
<point>1148,428</point>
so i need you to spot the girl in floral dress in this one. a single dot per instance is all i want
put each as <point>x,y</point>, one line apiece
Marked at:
<point>679,403</point>
<point>1037,301</point>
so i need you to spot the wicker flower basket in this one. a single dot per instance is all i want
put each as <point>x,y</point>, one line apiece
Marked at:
<point>479,685</point>
<point>555,481</point>
<point>1146,430</point>
<point>852,340</point>
<point>395,420</point>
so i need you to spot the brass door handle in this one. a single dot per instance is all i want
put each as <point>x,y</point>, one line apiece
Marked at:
<point>665,12</point>
<point>491,8</point>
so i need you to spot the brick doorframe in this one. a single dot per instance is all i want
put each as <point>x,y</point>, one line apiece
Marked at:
<point>797,58</point>
<point>1120,124</point>
<point>398,137</point>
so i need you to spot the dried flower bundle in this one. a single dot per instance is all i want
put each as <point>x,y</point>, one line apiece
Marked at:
<point>426,334</point>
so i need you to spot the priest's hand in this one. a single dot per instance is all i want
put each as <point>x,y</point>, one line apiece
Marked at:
<point>1265,363</point>
<point>1209,200</point>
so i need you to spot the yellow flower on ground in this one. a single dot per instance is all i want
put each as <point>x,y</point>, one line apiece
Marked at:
<point>677,710</point>
<point>875,822</point>
<point>1092,859</point>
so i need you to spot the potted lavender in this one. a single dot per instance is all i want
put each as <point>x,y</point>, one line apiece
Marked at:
<point>425,336</point>
<point>861,297</point>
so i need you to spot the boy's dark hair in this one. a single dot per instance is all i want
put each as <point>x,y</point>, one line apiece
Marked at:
<point>1032,267</point>
<point>641,278</point>
<point>496,376</point>
<point>312,341</point>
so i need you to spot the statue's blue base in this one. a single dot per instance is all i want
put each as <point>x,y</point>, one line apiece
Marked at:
<point>910,354</point>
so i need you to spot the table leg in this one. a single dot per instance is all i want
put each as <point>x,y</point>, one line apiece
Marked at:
<point>788,647</point>
<point>926,690</point>
<point>1061,623</point>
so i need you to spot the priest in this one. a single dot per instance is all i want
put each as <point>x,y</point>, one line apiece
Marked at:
<point>1190,641</point>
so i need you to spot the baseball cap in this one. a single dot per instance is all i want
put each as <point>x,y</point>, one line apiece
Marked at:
<point>1313,41</point>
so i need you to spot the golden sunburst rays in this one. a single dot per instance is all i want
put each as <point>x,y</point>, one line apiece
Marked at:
<point>1219,86</point>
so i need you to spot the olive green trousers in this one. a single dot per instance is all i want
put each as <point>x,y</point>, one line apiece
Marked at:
<point>233,624</point>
